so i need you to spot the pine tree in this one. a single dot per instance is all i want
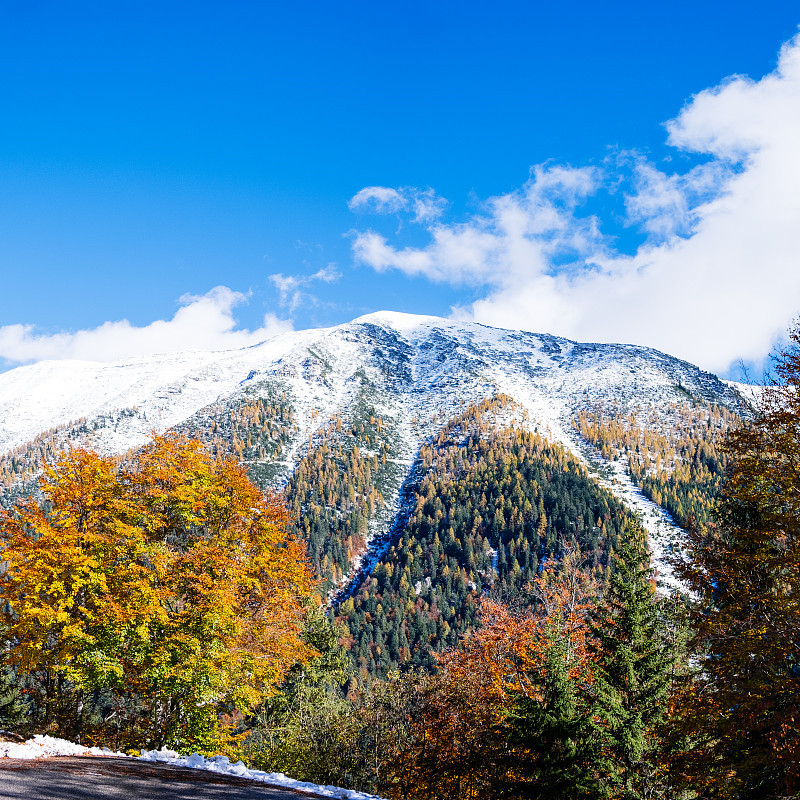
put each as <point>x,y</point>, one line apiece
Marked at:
<point>633,674</point>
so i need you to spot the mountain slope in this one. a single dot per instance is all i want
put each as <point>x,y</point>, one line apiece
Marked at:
<point>425,361</point>
<point>338,416</point>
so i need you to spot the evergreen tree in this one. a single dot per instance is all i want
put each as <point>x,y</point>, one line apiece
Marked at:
<point>745,573</point>
<point>13,710</point>
<point>633,675</point>
<point>555,737</point>
<point>492,503</point>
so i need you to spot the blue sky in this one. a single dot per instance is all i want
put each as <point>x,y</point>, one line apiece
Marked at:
<point>504,162</point>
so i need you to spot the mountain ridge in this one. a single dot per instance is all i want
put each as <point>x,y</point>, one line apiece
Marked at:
<point>167,389</point>
<point>385,383</point>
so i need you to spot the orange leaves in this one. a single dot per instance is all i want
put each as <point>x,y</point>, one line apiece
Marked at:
<point>63,563</point>
<point>496,655</point>
<point>173,576</point>
<point>460,741</point>
<point>510,650</point>
<point>745,572</point>
<point>566,595</point>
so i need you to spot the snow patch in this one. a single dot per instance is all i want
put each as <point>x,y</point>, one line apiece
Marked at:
<point>222,765</point>
<point>419,372</point>
<point>41,746</point>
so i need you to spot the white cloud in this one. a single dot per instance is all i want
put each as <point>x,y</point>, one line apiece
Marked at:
<point>290,286</point>
<point>377,200</point>
<point>327,274</point>
<point>718,278</point>
<point>514,231</point>
<point>424,204</point>
<point>667,205</point>
<point>203,322</point>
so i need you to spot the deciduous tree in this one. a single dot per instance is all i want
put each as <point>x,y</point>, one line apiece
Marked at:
<point>745,572</point>
<point>169,582</point>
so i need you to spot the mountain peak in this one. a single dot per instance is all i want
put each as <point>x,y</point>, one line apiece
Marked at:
<point>425,364</point>
<point>399,320</point>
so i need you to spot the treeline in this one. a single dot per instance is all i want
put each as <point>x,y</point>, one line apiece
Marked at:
<point>493,507</point>
<point>508,645</point>
<point>256,428</point>
<point>337,492</point>
<point>673,455</point>
<point>598,689</point>
<point>21,466</point>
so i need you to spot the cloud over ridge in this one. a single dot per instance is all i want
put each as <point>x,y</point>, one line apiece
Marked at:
<point>717,278</point>
<point>202,322</point>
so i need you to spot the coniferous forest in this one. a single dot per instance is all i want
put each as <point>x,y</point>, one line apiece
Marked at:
<point>506,641</point>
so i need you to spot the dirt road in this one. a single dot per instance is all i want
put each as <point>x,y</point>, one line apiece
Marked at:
<point>91,778</point>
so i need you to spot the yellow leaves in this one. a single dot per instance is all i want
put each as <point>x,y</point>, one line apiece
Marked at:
<point>173,575</point>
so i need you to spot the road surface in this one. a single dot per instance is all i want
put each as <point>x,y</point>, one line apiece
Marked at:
<point>100,778</point>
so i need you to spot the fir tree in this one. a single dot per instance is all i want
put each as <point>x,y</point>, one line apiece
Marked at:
<point>295,729</point>
<point>555,737</point>
<point>633,675</point>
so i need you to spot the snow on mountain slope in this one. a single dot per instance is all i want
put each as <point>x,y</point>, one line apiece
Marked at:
<point>427,363</point>
<point>163,389</point>
<point>416,372</point>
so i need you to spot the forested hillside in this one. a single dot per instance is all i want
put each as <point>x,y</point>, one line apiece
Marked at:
<point>482,619</point>
<point>673,453</point>
<point>339,489</point>
<point>495,503</point>
<point>417,484</point>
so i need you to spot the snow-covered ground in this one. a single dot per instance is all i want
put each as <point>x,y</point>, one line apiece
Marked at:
<point>41,746</point>
<point>664,536</point>
<point>48,747</point>
<point>222,765</point>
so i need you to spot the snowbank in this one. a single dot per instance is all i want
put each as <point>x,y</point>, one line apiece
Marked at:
<point>45,746</point>
<point>223,765</point>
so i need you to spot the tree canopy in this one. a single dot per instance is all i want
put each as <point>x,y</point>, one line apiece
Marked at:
<point>166,588</point>
<point>745,572</point>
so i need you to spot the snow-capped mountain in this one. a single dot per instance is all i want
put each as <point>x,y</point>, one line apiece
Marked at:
<point>415,372</point>
<point>421,367</point>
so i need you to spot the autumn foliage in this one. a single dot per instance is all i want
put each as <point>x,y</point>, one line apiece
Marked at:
<point>459,740</point>
<point>148,597</point>
<point>742,711</point>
